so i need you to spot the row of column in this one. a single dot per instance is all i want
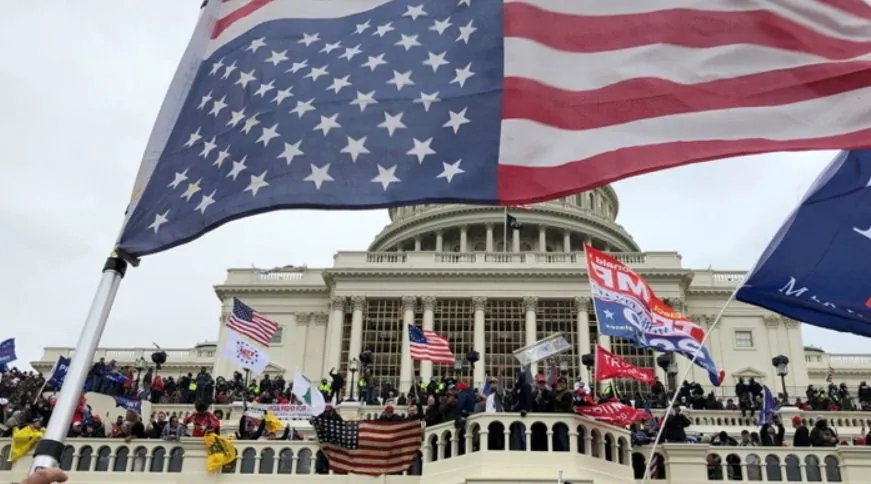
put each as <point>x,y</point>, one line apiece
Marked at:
<point>515,240</point>
<point>530,304</point>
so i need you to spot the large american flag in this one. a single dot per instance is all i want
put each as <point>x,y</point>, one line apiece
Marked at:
<point>426,345</point>
<point>252,324</point>
<point>379,103</point>
<point>369,447</point>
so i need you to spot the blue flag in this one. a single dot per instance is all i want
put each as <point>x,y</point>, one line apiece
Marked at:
<point>59,372</point>
<point>816,269</point>
<point>7,351</point>
<point>129,404</point>
<point>769,406</point>
<point>114,376</point>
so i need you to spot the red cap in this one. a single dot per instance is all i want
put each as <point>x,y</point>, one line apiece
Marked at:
<point>462,386</point>
<point>796,420</point>
<point>540,378</point>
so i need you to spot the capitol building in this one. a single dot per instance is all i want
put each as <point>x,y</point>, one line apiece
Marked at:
<point>451,269</point>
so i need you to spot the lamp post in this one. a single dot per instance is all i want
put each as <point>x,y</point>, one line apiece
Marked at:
<point>140,364</point>
<point>472,357</point>
<point>781,367</point>
<point>353,366</point>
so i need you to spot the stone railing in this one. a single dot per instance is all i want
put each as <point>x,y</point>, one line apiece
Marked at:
<point>485,446</point>
<point>201,355</point>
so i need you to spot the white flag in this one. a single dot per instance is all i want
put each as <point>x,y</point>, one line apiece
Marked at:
<point>308,394</point>
<point>244,353</point>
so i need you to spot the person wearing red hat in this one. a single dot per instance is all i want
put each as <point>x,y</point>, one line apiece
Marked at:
<point>802,437</point>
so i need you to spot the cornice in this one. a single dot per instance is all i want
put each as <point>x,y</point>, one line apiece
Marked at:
<point>422,223</point>
<point>331,275</point>
<point>710,291</point>
<point>223,291</point>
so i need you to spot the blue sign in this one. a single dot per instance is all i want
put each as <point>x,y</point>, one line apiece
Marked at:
<point>817,269</point>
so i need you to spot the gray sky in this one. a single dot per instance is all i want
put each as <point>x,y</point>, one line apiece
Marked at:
<point>79,99</point>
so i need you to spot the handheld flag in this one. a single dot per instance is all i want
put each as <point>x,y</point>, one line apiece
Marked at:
<point>7,351</point>
<point>245,320</point>
<point>381,103</point>
<point>626,307</point>
<point>59,372</point>
<point>769,406</point>
<point>308,394</point>
<point>609,365</point>
<point>244,353</point>
<point>129,404</point>
<point>23,441</point>
<point>816,268</point>
<point>426,345</point>
<point>220,450</point>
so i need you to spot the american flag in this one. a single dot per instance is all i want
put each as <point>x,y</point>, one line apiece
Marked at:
<point>252,324</point>
<point>380,103</point>
<point>368,447</point>
<point>426,345</point>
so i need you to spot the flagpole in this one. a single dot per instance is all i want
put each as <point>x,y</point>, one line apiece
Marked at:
<point>682,378</point>
<point>50,448</point>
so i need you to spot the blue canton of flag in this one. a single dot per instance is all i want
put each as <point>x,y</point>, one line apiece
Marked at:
<point>396,105</point>
<point>7,351</point>
<point>769,406</point>
<point>816,269</point>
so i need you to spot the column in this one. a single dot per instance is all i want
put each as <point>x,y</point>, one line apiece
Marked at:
<point>332,355</point>
<point>515,240</point>
<point>406,365</point>
<point>797,367</point>
<point>542,238</point>
<point>479,342</point>
<point>440,241</point>
<point>417,244</point>
<point>356,344</point>
<point>772,321</point>
<point>490,238</point>
<point>530,304</point>
<point>463,238</point>
<point>567,241</point>
<point>584,347</point>
<point>428,306</point>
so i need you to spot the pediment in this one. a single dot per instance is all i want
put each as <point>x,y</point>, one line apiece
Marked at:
<point>748,372</point>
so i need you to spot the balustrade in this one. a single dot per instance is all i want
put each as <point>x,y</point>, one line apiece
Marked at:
<point>581,447</point>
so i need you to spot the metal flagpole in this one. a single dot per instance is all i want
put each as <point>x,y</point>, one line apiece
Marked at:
<point>50,448</point>
<point>682,378</point>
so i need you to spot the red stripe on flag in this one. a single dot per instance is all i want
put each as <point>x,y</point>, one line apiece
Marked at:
<point>684,27</point>
<point>382,448</point>
<point>437,349</point>
<point>236,15</point>
<point>647,97</point>
<point>522,184</point>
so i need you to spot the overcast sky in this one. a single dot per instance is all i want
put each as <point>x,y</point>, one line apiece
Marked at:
<point>79,97</point>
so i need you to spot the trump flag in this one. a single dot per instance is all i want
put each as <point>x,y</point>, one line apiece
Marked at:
<point>340,104</point>
<point>626,307</point>
<point>816,269</point>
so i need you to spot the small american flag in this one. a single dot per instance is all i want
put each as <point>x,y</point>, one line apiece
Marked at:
<point>426,345</point>
<point>252,324</point>
<point>368,447</point>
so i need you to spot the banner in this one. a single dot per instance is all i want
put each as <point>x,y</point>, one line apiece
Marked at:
<point>59,372</point>
<point>626,307</point>
<point>614,413</point>
<point>609,365</point>
<point>7,351</point>
<point>285,411</point>
<point>542,349</point>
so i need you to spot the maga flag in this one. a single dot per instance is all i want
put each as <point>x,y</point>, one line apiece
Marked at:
<point>614,413</point>
<point>220,450</point>
<point>816,269</point>
<point>609,365</point>
<point>626,307</point>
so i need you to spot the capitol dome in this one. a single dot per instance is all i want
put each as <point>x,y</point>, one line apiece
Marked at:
<point>561,225</point>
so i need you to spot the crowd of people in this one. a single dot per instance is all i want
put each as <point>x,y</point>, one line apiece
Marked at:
<point>25,399</point>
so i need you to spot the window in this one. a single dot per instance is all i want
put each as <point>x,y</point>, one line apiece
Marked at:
<point>276,338</point>
<point>743,339</point>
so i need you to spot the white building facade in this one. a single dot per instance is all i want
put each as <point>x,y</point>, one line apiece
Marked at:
<point>448,268</point>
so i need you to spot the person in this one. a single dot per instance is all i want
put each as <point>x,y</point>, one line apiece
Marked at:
<point>46,476</point>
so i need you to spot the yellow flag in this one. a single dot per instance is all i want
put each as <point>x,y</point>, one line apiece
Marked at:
<point>273,425</point>
<point>23,441</point>
<point>220,452</point>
